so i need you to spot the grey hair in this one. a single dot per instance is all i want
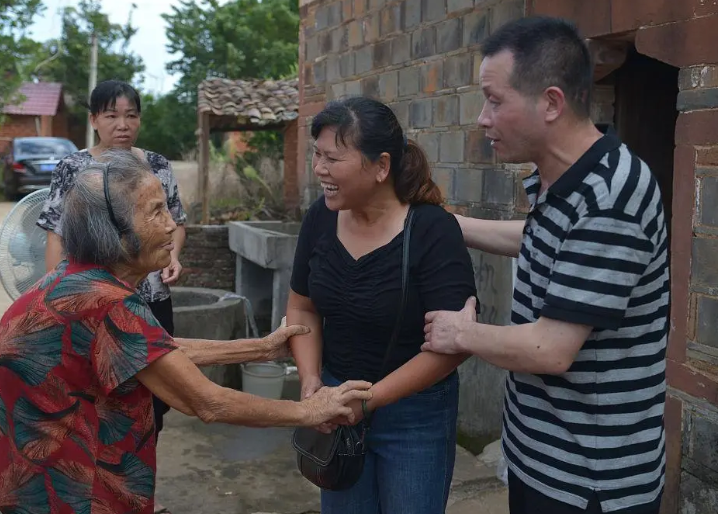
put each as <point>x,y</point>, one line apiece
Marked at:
<point>88,233</point>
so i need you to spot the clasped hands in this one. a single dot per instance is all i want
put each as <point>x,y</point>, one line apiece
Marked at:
<point>310,385</point>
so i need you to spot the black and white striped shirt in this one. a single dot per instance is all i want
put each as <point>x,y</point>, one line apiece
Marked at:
<point>594,252</point>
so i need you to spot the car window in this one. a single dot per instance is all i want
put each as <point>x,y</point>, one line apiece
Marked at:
<point>49,147</point>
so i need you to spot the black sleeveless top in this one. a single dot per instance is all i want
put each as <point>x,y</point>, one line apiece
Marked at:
<point>359,299</point>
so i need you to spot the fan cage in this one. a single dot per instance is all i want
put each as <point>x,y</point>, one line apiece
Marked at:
<point>22,245</point>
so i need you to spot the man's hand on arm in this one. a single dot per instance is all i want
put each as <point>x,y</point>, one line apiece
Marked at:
<point>498,237</point>
<point>547,346</point>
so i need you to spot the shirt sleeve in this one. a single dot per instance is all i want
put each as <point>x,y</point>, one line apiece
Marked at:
<point>163,169</point>
<point>446,273</point>
<point>305,242</point>
<point>174,203</point>
<point>128,339</point>
<point>51,213</point>
<point>601,260</point>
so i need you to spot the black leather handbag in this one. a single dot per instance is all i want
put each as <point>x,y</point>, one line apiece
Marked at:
<point>335,461</point>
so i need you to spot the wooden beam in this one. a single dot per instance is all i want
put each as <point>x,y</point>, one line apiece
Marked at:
<point>203,168</point>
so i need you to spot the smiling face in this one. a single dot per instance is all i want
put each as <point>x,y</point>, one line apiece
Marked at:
<point>348,180</point>
<point>513,121</point>
<point>117,126</point>
<point>154,226</point>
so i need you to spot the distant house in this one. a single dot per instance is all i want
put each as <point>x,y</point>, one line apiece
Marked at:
<point>40,112</point>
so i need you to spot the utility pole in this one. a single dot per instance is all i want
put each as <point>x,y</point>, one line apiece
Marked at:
<point>90,134</point>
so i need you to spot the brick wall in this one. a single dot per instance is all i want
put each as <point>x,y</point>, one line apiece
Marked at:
<point>421,57</point>
<point>291,187</point>
<point>693,353</point>
<point>206,258</point>
<point>18,126</point>
<point>25,126</point>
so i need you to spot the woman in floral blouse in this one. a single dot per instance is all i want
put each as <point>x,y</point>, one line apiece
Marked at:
<point>115,111</point>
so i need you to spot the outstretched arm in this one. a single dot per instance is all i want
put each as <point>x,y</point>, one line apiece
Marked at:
<point>178,382</point>
<point>492,236</point>
<point>204,352</point>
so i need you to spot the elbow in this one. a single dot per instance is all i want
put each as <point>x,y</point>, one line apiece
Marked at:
<point>556,366</point>
<point>554,363</point>
<point>206,414</point>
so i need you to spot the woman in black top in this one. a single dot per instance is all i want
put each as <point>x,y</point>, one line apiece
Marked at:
<point>346,286</point>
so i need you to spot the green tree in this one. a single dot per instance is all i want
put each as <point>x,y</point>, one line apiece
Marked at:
<point>241,39</point>
<point>72,51</point>
<point>15,47</point>
<point>238,40</point>
<point>168,124</point>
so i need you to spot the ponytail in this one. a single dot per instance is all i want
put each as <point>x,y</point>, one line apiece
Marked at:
<point>413,183</point>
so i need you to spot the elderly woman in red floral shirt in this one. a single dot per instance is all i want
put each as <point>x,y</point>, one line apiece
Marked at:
<point>81,354</point>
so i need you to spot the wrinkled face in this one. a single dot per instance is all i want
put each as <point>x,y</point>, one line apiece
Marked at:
<point>118,126</point>
<point>347,179</point>
<point>513,122</point>
<point>154,226</point>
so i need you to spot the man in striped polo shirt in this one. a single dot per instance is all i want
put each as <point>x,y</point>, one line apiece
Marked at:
<point>585,393</point>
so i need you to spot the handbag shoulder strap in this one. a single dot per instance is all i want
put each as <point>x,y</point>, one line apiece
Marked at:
<point>408,222</point>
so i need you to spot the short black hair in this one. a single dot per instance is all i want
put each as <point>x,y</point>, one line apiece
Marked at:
<point>548,52</point>
<point>106,93</point>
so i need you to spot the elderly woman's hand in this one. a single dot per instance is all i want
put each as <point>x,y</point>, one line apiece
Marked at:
<point>277,343</point>
<point>332,402</point>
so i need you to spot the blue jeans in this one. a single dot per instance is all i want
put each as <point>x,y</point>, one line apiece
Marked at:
<point>411,449</point>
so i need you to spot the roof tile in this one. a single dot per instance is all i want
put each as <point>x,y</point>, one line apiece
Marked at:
<point>252,102</point>
<point>40,99</point>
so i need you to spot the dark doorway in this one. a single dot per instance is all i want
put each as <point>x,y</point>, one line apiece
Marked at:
<point>645,116</point>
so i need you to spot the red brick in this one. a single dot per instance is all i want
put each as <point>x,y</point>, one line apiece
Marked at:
<point>707,156</point>
<point>673,423</point>
<point>311,109</point>
<point>359,8</point>
<point>698,77</point>
<point>478,149</point>
<point>692,317</point>
<point>697,127</point>
<point>695,382</point>
<point>371,28</point>
<point>680,44</point>
<point>681,245</point>
<point>291,184</point>
<point>432,76</point>
<point>627,15</point>
<point>444,178</point>
<point>347,13</point>
<point>18,126</point>
<point>593,17</point>
<point>355,34</point>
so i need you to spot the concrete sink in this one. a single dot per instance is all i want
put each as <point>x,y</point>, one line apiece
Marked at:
<point>265,254</point>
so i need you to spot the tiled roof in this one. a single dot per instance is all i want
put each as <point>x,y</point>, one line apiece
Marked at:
<point>40,99</point>
<point>250,102</point>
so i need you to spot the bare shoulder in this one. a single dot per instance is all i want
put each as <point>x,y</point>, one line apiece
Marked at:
<point>139,153</point>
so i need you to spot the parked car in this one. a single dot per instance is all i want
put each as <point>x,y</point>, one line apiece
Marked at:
<point>30,162</point>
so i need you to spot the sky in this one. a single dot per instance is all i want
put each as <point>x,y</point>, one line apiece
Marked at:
<point>149,42</point>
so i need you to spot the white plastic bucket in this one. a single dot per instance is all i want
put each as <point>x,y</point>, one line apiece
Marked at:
<point>265,379</point>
